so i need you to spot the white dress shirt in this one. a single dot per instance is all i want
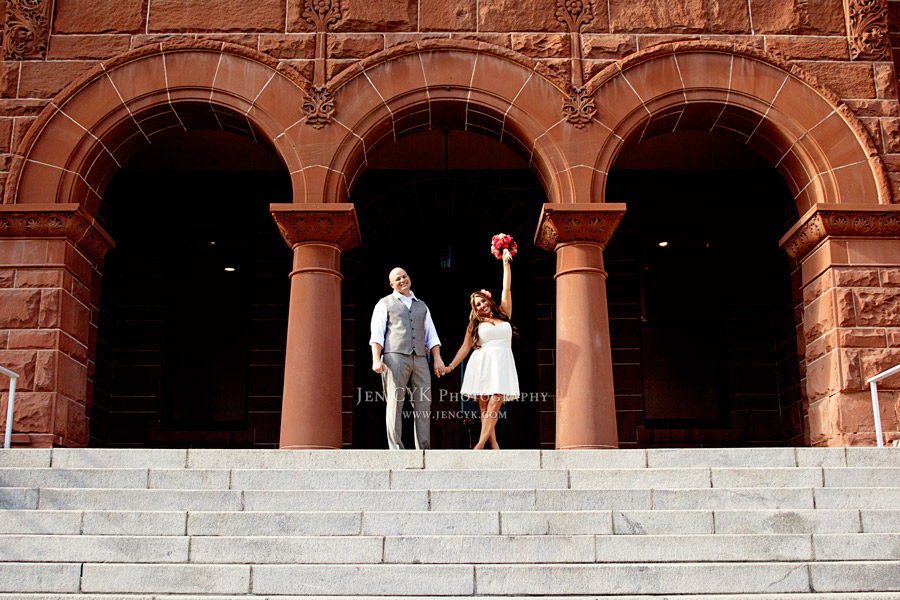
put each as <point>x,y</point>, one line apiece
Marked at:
<point>379,321</point>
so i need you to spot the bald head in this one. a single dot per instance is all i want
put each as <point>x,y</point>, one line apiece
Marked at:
<point>399,281</point>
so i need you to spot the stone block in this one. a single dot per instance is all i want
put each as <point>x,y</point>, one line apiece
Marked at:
<point>431,523</point>
<point>334,500</point>
<point>890,134</point>
<point>290,46</point>
<point>103,458</point>
<point>274,523</point>
<point>876,361</point>
<point>864,477</point>
<point>687,16</point>
<point>349,580</point>
<point>809,47</point>
<point>873,457</point>
<point>130,500</point>
<point>25,457</point>
<point>318,479</point>
<point>435,479</point>
<point>466,459</point>
<point>556,522</point>
<point>353,45</point>
<point>766,478</point>
<point>190,479</point>
<point>890,277</point>
<point>787,521</point>
<point>593,459</point>
<point>163,579</point>
<point>601,47</point>
<point>80,47</point>
<point>856,277</point>
<point>663,522</point>
<point>881,576</point>
<point>40,578</point>
<point>592,479</point>
<point>860,498</point>
<point>733,499</point>
<point>490,549</point>
<point>100,16</point>
<point>861,338</point>
<point>305,459</point>
<point>720,457</point>
<point>440,15</point>
<point>37,522</point>
<point>379,15</point>
<point>522,15</point>
<point>45,79</point>
<point>787,17</point>
<point>20,308</point>
<point>716,578</point>
<point>90,548</point>
<point>821,457</point>
<point>73,478</point>
<point>878,307</point>
<point>216,15</point>
<point>18,498</point>
<point>703,548</point>
<point>286,549</point>
<point>880,520</point>
<point>857,547</point>
<point>137,523</point>
<point>571,500</point>
<point>847,80</point>
<point>542,45</point>
<point>893,337</point>
<point>481,500</point>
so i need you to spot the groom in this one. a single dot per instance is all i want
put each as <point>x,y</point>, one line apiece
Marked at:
<point>402,335</point>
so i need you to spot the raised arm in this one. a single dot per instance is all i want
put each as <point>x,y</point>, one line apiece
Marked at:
<point>506,296</point>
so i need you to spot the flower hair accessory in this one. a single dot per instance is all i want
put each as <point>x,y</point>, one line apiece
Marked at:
<point>484,292</point>
<point>503,245</point>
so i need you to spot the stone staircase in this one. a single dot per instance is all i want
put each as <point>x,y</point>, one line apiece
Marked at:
<point>762,524</point>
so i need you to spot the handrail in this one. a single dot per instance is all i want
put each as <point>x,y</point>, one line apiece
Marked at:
<point>873,387</point>
<point>7,439</point>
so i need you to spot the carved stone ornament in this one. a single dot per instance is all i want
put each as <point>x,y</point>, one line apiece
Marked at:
<point>326,222</point>
<point>844,220</point>
<point>579,108</point>
<point>322,13</point>
<point>318,106</point>
<point>56,220</point>
<point>867,29</point>
<point>25,29</point>
<point>575,13</point>
<point>589,222</point>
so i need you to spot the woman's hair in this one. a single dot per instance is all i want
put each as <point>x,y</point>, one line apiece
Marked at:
<point>475,319</point>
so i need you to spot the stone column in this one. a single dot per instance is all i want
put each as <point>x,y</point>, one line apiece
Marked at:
<point>849,259</point>
<point>50,259</point>
<point>311,405</point>
<point>585,398</point>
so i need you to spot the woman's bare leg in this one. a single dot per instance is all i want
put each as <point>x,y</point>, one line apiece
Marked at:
<point>489,418</point>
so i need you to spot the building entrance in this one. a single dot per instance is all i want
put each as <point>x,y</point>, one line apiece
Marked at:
<point>437,224</point>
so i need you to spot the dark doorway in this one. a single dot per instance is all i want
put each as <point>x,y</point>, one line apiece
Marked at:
<point>701,302</point>
<point>437,224</point>
<point>193,310</point>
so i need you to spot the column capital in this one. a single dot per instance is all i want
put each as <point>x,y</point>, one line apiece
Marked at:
<point>324,222</point>
<point>70,221</point>
<point>843,220</point>
<point>583,221</point>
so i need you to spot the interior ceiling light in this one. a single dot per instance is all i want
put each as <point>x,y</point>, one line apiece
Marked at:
<point>663,244</point>
<point>229,269</point>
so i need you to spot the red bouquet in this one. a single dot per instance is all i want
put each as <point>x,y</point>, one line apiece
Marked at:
<point>503,245</point>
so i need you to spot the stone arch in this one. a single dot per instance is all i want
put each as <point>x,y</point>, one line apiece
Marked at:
<point>103,118</point>
<point>422,85</point>
<point>817,144</point>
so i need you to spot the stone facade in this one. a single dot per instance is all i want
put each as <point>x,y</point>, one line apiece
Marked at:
<point>569,86</point>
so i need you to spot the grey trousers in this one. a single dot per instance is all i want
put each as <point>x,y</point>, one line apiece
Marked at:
<point>407,373</point>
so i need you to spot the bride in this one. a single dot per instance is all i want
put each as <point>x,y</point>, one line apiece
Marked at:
<point>490,375</point>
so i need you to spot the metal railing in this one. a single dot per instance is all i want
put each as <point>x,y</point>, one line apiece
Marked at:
<point>9,407</point>
<point>873,386</point>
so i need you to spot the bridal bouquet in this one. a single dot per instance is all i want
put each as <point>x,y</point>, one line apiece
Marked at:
<point>503,245</point>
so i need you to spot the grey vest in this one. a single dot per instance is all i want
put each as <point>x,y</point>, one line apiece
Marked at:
<point>405,328</point>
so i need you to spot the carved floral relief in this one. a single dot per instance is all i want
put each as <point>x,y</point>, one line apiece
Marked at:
<point>25,29</point>
<point>828,221</point>
<point>67,221</point>
<point>867,29</point>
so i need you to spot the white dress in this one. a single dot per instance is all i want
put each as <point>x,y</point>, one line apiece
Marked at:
<point>491,368</point>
